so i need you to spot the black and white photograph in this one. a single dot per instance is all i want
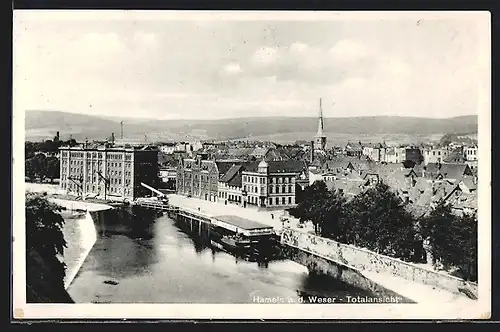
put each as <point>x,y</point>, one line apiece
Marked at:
<point>270,165</point>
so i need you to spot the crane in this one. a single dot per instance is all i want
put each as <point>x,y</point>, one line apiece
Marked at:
<point>156,191</point>
<point>106,183</point>
<point>78,183</point>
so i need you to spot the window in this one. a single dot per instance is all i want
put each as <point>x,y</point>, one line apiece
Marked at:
<point>283,200</point>
<point>270,201</point>
<point>289,200</point>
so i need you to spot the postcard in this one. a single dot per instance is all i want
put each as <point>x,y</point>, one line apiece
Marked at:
<point>251,165</point>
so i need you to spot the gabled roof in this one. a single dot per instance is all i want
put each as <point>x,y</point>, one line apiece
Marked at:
<point>239,152</point>
<point>469,183</point>
<point>461,200</point>
<point>432,169</point>
<point>350,188</point>
<point>280,166</point>
<point>259,152</point>
<point>456,156</point>
<point>231,173</point>
<point>224,166</point>
<point>335,164</point>
<point>454,171</point>
<point>286,166</point>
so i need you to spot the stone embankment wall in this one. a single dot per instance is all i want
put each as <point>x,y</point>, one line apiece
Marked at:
<point>342,273</point>
<point>362,259</point>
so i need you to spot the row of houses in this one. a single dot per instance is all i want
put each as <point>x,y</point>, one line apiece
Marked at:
<point>422,186</point>
<point>117,173</point>
<point>429,154</point>
<point>266,184</point>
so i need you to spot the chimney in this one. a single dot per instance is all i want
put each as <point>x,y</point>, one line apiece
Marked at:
<point>311,155</point>
<point>112,137</point>
<point>57,135</point>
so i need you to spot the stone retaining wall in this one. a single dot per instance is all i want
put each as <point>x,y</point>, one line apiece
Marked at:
<point>363,259</point>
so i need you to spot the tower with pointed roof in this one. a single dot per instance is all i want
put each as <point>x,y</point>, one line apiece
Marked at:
<point>320,138</point>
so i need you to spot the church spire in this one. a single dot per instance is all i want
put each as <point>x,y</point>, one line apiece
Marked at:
<point>320,121</point>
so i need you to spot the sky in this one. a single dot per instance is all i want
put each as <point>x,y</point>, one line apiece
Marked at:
<point>184,66</point>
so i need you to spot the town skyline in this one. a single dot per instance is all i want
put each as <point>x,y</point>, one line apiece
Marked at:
<point>163,68</point>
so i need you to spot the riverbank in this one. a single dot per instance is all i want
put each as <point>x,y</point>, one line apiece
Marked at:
<point>80,235</point>
<point>79,230</point>
<point>418,292</point>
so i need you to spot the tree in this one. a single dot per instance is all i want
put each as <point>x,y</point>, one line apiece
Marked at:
<point>453,240</point>
<point>40,166</point>
<point>435,228</point>
<point>333,223</point>
<point>30,169</point>
<point>466,261</point>
<point>53,168</point>
<point>44,243</point>
<point>381,223</point>
<point>313,205</point>
<point>299,193</point>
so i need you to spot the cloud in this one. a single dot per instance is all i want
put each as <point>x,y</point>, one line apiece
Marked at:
<point>298,47</point>
<point>232,69</point>
<point>223,68</point>
<point>265,55</point>
<point>349,50</point>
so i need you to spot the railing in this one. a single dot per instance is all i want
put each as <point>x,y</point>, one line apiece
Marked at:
<point>159,206</point>
<point>363,259</point>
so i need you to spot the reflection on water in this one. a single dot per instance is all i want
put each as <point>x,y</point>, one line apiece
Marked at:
<point>156,261</point>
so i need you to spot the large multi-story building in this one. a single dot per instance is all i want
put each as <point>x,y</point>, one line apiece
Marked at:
<point>435,155</point>
<point>109,173</point>
<point>271,184</point>
<point>199,177</point>
<point>414,154</point>
<point>470,153</point>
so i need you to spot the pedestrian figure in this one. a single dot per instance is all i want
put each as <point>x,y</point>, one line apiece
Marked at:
<point>272,216</point>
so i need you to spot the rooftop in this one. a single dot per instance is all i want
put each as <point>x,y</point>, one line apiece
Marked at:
<point>104,148</point>
<point>242,222</point>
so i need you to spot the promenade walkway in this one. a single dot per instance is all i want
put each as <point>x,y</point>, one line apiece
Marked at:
<point>271,218</point>
<point>418,292</point>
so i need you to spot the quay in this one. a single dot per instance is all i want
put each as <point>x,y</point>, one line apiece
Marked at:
<point>357,266</point>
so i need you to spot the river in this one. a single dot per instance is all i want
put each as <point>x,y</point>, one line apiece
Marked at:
<point>141,260</point>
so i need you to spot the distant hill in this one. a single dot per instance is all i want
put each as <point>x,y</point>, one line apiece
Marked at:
<point>44,125</point>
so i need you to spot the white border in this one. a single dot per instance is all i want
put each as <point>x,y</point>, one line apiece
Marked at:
<point>262,311</point>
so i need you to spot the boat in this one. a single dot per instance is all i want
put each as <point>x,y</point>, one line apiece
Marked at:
<point>236,242</point>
